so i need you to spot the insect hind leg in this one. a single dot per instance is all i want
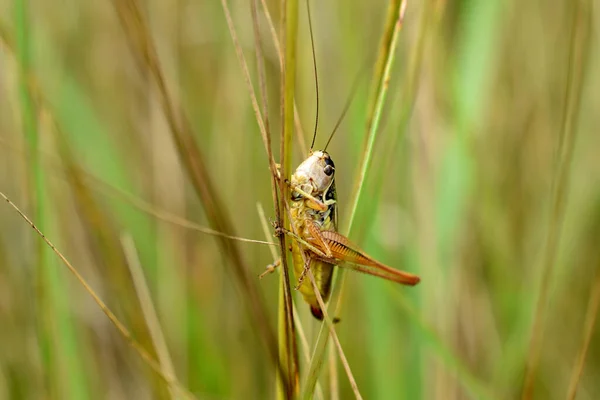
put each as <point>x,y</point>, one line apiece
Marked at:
<point>307,262</point>
<point>280,231</point>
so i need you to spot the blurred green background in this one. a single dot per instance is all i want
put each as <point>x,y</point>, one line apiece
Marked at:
<point>478,185</point>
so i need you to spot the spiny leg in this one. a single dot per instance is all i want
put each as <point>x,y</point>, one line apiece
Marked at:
<point>316,233</point>
<point>272,267</point>
<point>308,260</point>
<point>279,230</point>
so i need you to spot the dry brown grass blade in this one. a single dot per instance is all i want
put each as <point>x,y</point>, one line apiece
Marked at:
<point>334,336</point>
<point>287,333</point>
<point>93,216</point>
<point>387,53</point>
<point>579,50</point>
<point>290,362</point>
<point>298,323</point>
<point>289,28</point>
<point>299,131</point>
<point>103,236</point>
<point>328,323</point>
<point>148,359</point>
<point>109,190</point>
<point>139,38</point>
<point>588,330</point>
<point>287,329</point>
<point>166,216</point>
<point>148,310</point>
<point>133,200</point>
<point>334,385</point>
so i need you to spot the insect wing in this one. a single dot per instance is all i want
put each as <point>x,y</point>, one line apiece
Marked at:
<point>344,250</point>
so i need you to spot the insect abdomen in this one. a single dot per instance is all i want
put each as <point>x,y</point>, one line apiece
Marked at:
<point>322,271</point>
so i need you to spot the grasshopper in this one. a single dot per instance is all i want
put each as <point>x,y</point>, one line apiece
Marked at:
<point>314,216</point>
<point>313,210</point>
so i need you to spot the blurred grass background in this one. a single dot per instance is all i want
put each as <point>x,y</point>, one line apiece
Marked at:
<point>461,193</point>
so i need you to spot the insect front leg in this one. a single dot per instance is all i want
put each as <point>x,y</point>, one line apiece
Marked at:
<point>316,203</point>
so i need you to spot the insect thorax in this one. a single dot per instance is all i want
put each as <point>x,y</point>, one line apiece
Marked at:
<point>301,212</point>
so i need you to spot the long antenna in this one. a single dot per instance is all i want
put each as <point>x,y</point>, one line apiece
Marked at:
<point>312,44</point>
<point>347,105</point>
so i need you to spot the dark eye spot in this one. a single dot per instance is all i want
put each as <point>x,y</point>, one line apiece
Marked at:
<point>329,161</point>
<point>328,170</point>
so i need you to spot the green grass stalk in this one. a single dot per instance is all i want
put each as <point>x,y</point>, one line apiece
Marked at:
<point>382,82</point>
<point>290,32</point>
<point>58,339</point>
<point>36,189</point>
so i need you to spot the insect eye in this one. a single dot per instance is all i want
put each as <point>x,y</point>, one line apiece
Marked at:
<point>296,196</point>
<point>328,170</point>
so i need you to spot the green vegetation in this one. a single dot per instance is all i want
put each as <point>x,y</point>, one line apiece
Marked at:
<point>469,156</point>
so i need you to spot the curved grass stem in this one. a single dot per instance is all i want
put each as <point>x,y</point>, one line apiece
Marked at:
<point>148,359</point>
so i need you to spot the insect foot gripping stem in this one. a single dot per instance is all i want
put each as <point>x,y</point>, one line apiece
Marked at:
<point>278,170</point>
<point>278,229</point>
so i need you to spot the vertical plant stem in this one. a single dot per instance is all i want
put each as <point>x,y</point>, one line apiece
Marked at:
<point>334,387</point>
<point>299,132</point>
<point>328,323</point>
<point>390,23</point>
<point>287,345</point>
<point>408,95</point>
<point>290,29</point>
<point>298,323</point>
<point>193,161</point>
<point>576,66</point>
<point>382,84</point>
<point>43,305</point>
<point>289,86</point>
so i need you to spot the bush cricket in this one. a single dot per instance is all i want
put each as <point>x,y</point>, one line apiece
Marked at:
<point>313,214</point>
